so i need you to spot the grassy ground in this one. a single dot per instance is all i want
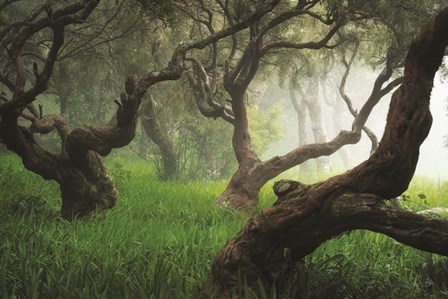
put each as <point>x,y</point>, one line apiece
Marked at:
<point>160,239</point>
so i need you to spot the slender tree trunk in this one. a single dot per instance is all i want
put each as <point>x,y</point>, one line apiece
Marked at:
<point>305,216</point>
<point>338,111</point>
<point>300,109</point>
<point>158,136</point>
<point>317,122</point>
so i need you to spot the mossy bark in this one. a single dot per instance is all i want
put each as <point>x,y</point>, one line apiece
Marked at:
<point>83,193</point>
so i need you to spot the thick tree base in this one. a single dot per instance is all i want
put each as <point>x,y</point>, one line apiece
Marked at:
<point>303,219</point>
<point>82,196</point>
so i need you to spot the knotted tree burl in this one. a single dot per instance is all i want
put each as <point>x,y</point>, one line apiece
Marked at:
<point>305,216</point>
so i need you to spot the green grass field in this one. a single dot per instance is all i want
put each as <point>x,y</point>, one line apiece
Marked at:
<point>160,239</point>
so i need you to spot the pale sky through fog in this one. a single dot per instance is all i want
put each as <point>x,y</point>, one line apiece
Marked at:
<point>433,160</point>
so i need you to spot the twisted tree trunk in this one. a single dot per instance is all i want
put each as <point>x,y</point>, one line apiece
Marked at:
<point>85,183</point>
<point>305,216</point>
<point>84,191</point>
<point>242,191</point>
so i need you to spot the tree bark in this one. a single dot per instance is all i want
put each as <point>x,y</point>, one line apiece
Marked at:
<point>305,216</point>
<point>154,131</point>
<point>242,191</point>
<point>85,189</point>
<point>252,174</point>
<point>85,183</point>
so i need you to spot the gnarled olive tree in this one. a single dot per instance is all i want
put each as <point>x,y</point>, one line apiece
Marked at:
<point>240,67</point>
<point>305,216</point>
<point>84,181</point>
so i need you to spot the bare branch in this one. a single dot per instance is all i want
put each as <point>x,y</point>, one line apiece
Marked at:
<point>377,93</point>
<point>73,13</point>
<point>389,87</point>
<point>366,211</point>
<point>204,94</point>
<point>251,19</point>
<point>229,19</point>
<point>100,36</point>
<point>307,45</point>
<point>294,12</point>
<point>349,103</point>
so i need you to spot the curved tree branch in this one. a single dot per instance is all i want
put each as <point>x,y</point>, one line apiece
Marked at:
<point>308,215</point>
<point>57,21</point>
<point>306,45</point>
<point>300,9</point>
<point>204,100</point>
<point>366,211</point>
<point>262,10</point>
<point>349,103</point>
<point>49,123</point>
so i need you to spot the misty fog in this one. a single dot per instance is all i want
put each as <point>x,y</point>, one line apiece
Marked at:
<point>200,149</point>
<point>433,161</point>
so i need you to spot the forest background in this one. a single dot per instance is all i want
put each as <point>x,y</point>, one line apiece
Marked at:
<point>160,239</point>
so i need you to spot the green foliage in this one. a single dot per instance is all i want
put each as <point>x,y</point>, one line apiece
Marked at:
<point>203,146</point>
<point>204,149</point>
<point>160,239</point>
